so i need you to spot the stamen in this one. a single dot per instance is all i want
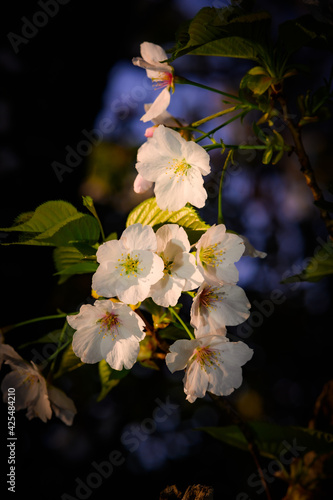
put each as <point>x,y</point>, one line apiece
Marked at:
<point>162,80</point>
<point>129,265</point>
<point>109,323</point>
<point>208,298</point>
<point>168,264</point>
<point>178,167</point>
<point>210,256</point>
<point>206,357</point>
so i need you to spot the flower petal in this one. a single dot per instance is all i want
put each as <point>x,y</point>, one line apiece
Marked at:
<point>87,344</point>
<point>179,243</point>
<point>123,354</point>
<point>139,237</point>
<point>166,291</point>
<point>153,53</point>
<point>196,156</point>
<point>141,185</point>
<point>160,104</point>
<point>195,382</point>
<point>179,354</point>
<point>62,405</point>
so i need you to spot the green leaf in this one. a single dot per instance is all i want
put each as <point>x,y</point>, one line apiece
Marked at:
<point>20,219</point>
<point>49,338</point>
<point>225,32</point>
<point>257,83</point>
<point>109,378</point>
<point>55,223</point>
<point>69,362</point>
<point>112,236</point>
<point>267,156</point>
<point>69,261</point>
<point>85,249</point>
<point>148,213</point>
<point>257,70</point>
<point>305,31</point>
<point>277,157</point>
<point>44,217</point>
<point>320,266</point>
<point>173,332</point>
<point>273,440</point>
<point>79,268</point>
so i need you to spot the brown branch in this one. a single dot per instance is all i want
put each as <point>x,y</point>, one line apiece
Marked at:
<point>150,330</point>
<point>306,167</point>
<point>194,492</point>
<point>248,433</point>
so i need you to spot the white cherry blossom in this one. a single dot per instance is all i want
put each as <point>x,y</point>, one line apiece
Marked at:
<point>215,307</point>
<point>211,364</point>
<point>128,266</point>
<point>141,185</point>
<point>177,167</point>
<point>161,74</point>
<point>107,330</point>
<point>32,391</point>
<point>180,270</point>
<point>217,252</point>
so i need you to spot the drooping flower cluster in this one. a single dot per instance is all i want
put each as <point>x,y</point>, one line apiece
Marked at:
<point>32,391</point>
<point>160,266</point>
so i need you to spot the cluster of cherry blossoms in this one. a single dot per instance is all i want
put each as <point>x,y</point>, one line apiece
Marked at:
<point>143,264</point>
<point>159,265</point>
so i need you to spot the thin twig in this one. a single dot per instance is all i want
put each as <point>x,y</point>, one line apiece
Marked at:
<point>306,167</point>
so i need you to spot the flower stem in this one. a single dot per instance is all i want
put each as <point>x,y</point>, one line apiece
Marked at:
<point>219,127</point>
<point>60,347</point>
<point>185,81</point>
<point>211,117</point>
<point>89,204</point>
<point>33,320</point>
<point>190,334</point>
<point>218,145</point>
<point>220,219</point>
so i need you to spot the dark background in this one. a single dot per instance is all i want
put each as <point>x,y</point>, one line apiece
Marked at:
<point>51,90</point>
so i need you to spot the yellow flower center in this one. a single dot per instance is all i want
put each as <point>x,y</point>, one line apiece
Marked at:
<point>178,167</point>
<point>129,265</point>
<point>167,264</point>
<point>208,298</point>
<point>210,256</point>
